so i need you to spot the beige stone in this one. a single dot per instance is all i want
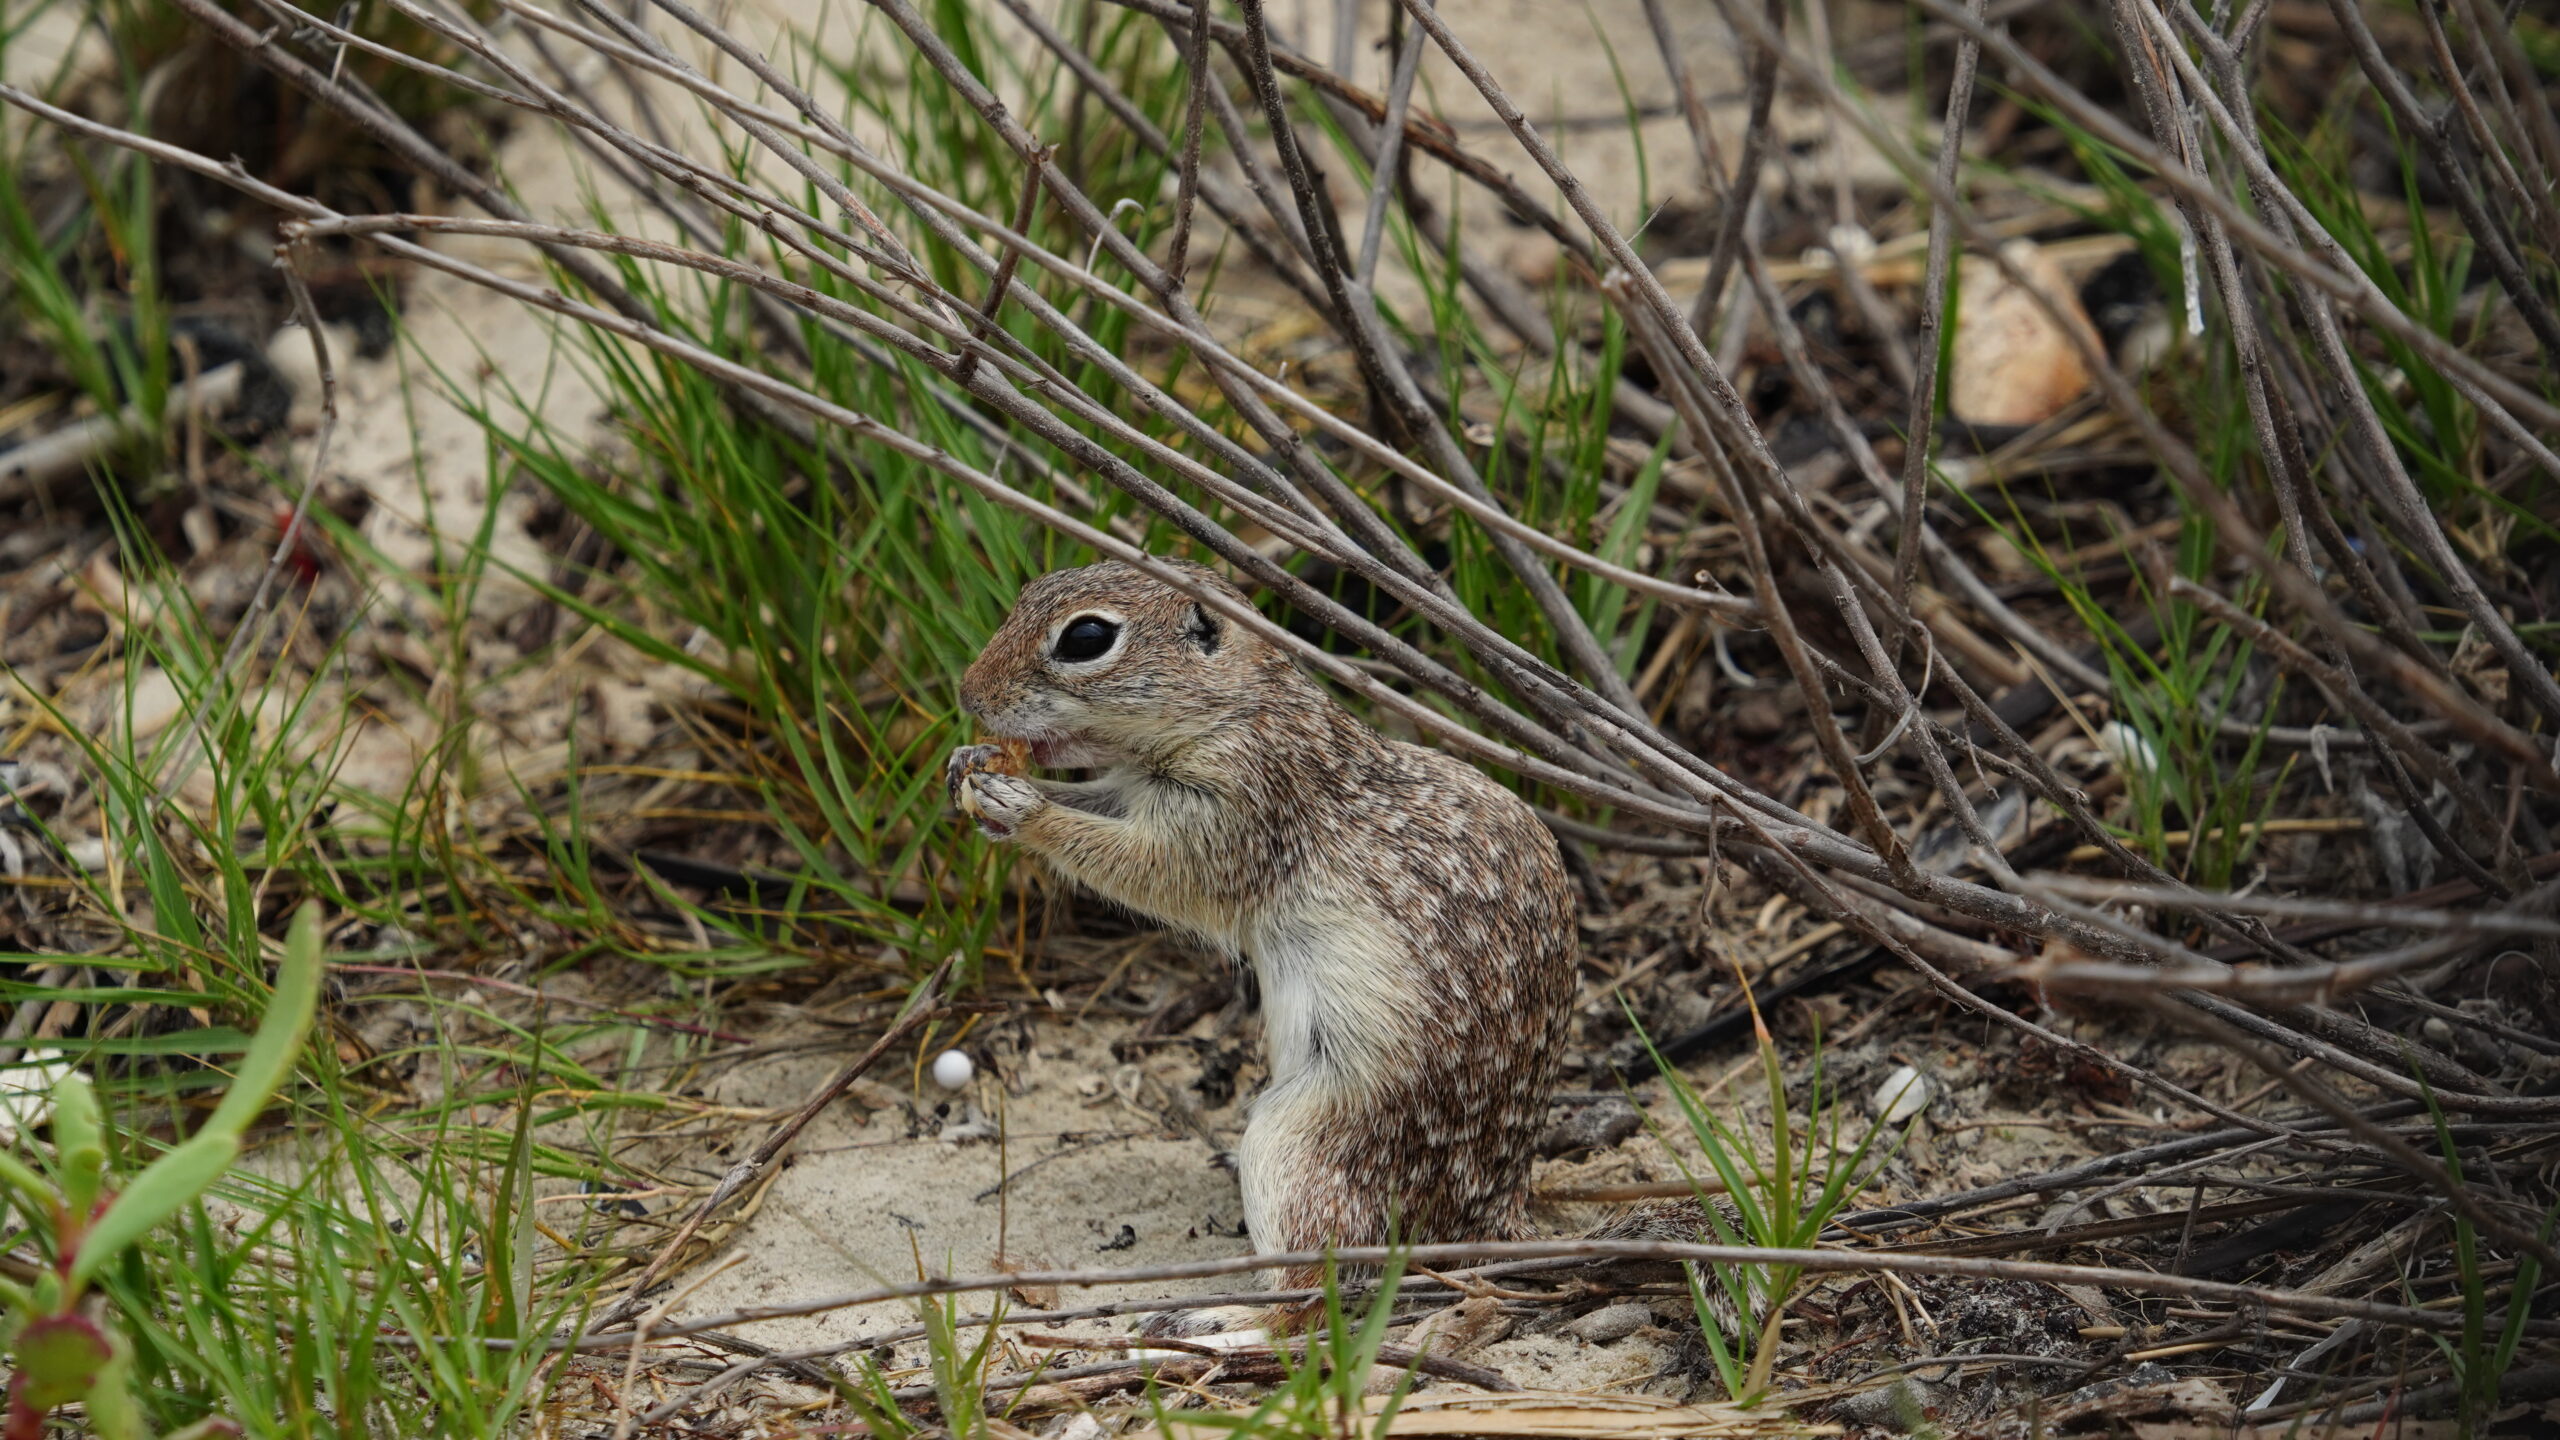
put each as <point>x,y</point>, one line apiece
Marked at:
<point>2013,364</point>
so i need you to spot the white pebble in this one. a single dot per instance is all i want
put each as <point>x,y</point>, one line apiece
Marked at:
<point>2127,747</point>
<point>1852,244</point>
<point>953,1069</point>
<point>1904,1094</point>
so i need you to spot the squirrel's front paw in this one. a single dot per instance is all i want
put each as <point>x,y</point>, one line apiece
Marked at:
<point>987,787</point>
<point>999,803</point>
<point>966,761</point>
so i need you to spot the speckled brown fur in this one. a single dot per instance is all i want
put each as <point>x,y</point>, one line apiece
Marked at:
<point>1410,921</point>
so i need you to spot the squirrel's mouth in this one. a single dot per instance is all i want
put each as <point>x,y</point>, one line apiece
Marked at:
<point>1047,743</point>
<point>1066,752</point>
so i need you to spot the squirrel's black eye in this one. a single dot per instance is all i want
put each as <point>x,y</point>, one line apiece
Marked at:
<point>1086,637</point>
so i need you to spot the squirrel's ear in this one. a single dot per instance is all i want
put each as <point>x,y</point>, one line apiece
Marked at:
<point>1204,630</point>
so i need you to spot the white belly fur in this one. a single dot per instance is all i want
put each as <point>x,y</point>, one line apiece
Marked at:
<point>1334,983</point>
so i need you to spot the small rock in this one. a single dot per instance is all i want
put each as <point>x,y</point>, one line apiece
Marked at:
<point>2013,364</point>
<point>294,362</point>
<point>1852,244</point>
<point>1759,716</point>
<point>623,711</point>
<point>1614,1322</point>
<point>1684,1010</point>
<point>1586,1128</point>
<point>200,528</point>
<point>1901,1406</point>
<point>1903,1095</point>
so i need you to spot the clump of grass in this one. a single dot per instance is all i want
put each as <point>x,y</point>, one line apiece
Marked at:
<point>82,283</point>
<point>357,1273</point>
<point>85,1217</point>
<point>2478,1357</point>
<point>956,1368</point>
<point>2176,681</point>
<point>1323,1390</point>
<point>1783,1187</point>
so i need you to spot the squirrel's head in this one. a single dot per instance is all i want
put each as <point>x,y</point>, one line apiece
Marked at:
<point>1106,664</point>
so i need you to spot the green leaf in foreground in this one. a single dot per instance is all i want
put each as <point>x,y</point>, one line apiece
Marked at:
<point>190,1169</point>
<point>156,1194</point>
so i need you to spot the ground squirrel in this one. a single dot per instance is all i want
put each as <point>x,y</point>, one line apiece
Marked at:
<point>1410,921</point>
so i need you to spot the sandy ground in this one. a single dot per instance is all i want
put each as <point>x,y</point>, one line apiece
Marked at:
<point>1099,1178</point>
<point>1115,1164</point>
<point>1112,1165</point>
